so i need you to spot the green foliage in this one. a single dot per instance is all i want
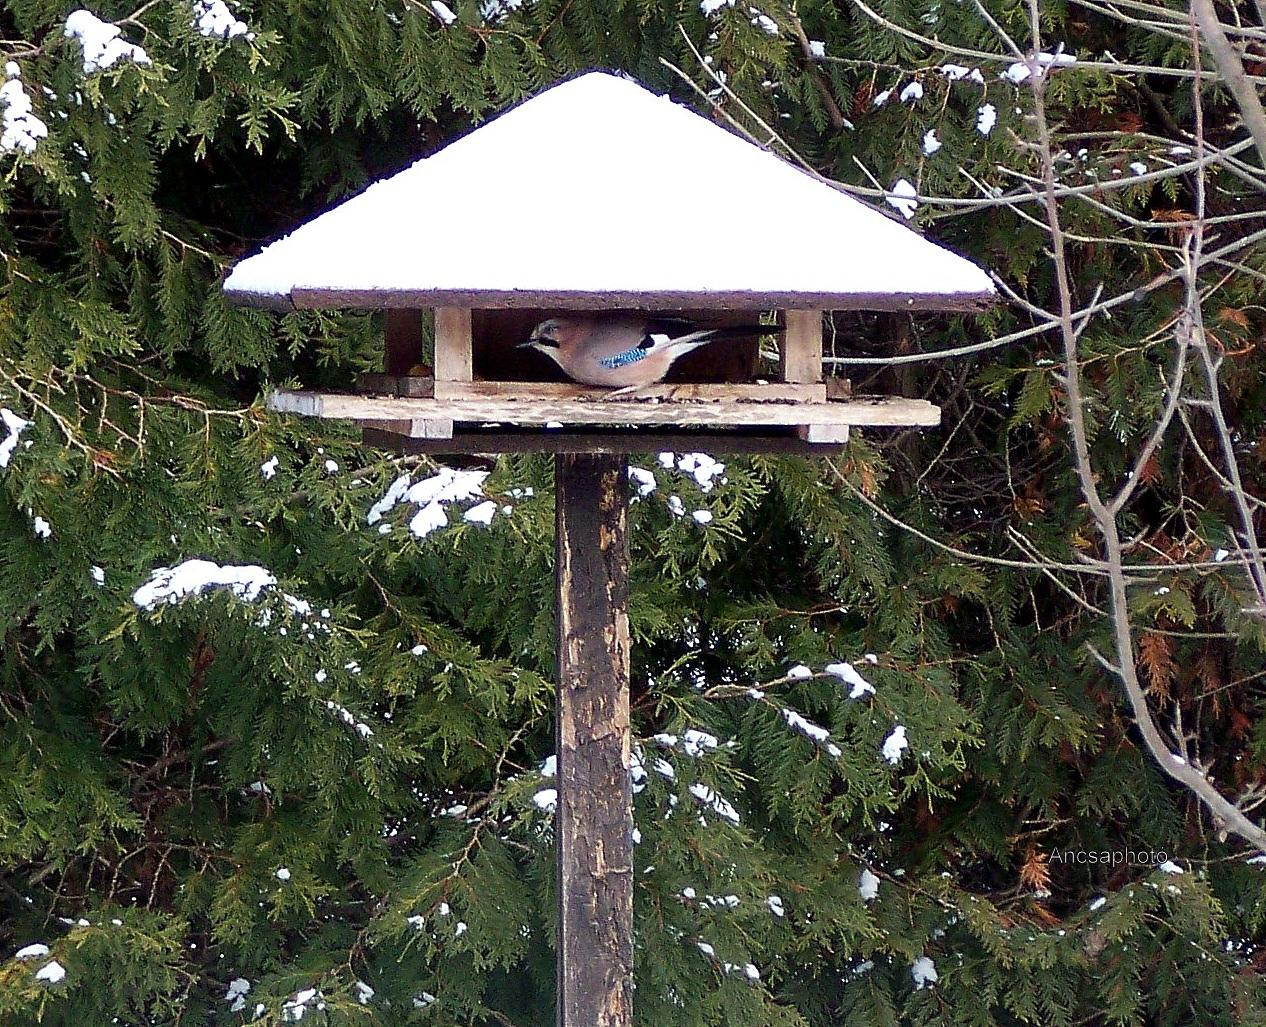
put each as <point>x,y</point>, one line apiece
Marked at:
<point>340,804</point>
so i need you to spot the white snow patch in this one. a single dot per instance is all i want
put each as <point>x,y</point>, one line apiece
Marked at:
<point>806,727</point>
<point>52,973</point>
<point>911,93</point>
<point>427,520</point>
<point>1098,903</point>
<point>103,45</point>
<point>895,744</point>
<point>954,72</point>
<point>986,118</point>
<point>239,987</point>
<point>443,12</point>
<point>12,422</point>
<point>799,672</point>
<point>774,902</point>
<point>817,49</point>
<point>645,480</point>
<point>930,143</point>
<point>482,513</point>
<point>764,22</point>
<point>720,806</point>
<point>194,577</point>
<point>213,18</point>
<point>364,993</point>
<point>21,130</point>
<point>283,874</point>
<point>847,673</point>
<point>268,469</point>
<point>1043,61</point>
<point>331,467</point>
<point>1170,867</point>
<point>394,494</point>
<point>34,951</point>
<point>902,198</point>
<point>293,1009</point>
<point>694,741</point>
<point>41,527</point>
<point>702,467</point>
<point>881,98</point>
<point>549,767</point>
<point>702,516</point>
<point>924,972</point>
<point>546,799</point>
<point>1138,167</point>
<point>867,885</point>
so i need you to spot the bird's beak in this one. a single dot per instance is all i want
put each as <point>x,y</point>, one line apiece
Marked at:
<point>527,345</point>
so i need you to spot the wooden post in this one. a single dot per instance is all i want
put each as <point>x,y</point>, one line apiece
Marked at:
<point>801,361</point>
<point>593,821</point>
<point>454,345</point>
<point>801,354</point>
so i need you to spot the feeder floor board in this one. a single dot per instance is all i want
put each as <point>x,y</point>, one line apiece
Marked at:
<point>864,411</point>
<point>488,441</point>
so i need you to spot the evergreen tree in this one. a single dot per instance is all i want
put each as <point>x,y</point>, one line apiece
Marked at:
<point>309,776</point>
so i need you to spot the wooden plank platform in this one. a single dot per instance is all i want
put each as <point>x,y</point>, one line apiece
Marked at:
<point>866,411</point>
<point>489,441</point>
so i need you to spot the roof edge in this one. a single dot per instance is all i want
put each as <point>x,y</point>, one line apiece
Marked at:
<point>384,299</point>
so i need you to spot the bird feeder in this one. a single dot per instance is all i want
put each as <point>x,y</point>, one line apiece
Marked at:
<point>598,197</point>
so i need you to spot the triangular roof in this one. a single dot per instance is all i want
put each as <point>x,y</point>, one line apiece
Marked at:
<point>598,193</point>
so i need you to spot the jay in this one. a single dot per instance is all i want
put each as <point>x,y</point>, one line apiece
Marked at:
<point>623,351</point>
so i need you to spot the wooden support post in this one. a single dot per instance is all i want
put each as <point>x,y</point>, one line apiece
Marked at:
<point>801,361</point>
<point>454,362</point>
<point>801,354</point>
<point>593,821</point>
<point>454,345</point>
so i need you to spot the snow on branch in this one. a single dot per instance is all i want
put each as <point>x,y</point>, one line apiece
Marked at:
<point>20,129</point>
<point>13,424</point>
<point>102,43</point>
<point>214,19</point>
<point>432,496</point>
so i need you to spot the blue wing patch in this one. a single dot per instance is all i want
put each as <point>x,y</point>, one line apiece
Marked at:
<point>631,356</point>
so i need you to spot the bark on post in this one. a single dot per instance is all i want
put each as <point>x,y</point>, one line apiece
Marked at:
<point>593,821</point>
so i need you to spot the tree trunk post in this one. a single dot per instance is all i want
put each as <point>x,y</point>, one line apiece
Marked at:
<point>593,820</point>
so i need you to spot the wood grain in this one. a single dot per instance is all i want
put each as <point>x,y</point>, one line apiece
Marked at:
<point>454,344</point>
<point>468,442</point>
<point>593,821</point>
<point>800,353</point>
<point>878,411</point>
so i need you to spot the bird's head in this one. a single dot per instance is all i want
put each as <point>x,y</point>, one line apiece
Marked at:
<point>548,337</point>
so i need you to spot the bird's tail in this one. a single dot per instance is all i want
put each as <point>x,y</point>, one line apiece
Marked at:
<point>693,340</point>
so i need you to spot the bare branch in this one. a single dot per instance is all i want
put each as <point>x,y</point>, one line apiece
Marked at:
<point>1227,60</point>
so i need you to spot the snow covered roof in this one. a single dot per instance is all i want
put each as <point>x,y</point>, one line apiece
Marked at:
<point>598,193</point>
